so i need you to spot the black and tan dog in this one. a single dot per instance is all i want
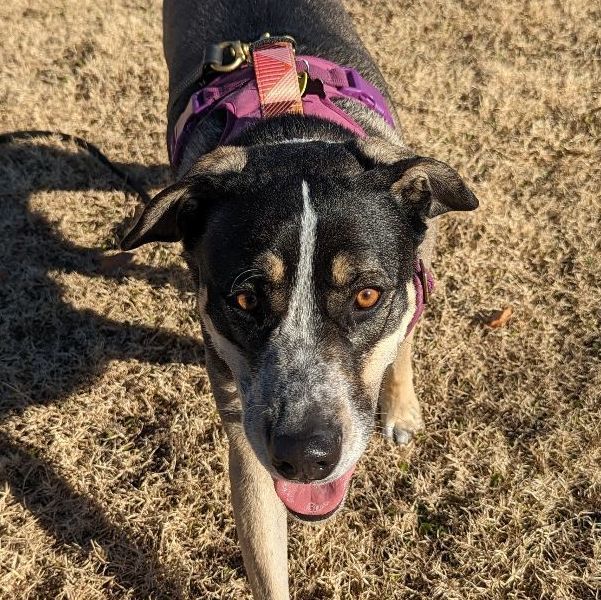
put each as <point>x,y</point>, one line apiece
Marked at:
<point>303,238</point>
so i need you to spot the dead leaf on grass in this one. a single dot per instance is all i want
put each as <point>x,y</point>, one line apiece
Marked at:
<point>500,318</point>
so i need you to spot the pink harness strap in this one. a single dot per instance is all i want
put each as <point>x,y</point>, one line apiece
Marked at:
<point>275,75</point>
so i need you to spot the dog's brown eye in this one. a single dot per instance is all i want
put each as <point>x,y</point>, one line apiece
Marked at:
<point>247,301</point>
<point>366,298</point>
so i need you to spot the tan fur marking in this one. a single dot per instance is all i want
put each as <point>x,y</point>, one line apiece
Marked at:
<point>342,268</point>
<point>413,186</point>
<point>261,521</point>
<point>383,151</point>
<point>223,386</point>
<point>273,265</point>
<point>385,351</point>
<point>224,159</point>
<point>345,415</point>
<point>227,351</point>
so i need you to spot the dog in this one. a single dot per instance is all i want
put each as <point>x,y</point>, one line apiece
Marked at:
<point>308,226</point>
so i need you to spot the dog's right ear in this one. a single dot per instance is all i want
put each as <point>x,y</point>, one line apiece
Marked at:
<point>159,221</point>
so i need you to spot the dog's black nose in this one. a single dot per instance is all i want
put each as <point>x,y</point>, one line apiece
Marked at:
<point>306,457</point>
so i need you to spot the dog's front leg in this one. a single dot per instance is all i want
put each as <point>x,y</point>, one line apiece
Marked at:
<point>261,518</point>
<point>261,522</point>
<point>401,414</point>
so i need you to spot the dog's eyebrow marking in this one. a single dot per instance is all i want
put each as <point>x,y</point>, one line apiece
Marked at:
<point>301,310</point>
<point>273,266</point>
<point>342,269</point>
<point>346,268</point>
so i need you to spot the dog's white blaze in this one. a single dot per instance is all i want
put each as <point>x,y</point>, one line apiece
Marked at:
<point>385,351</point>
<point>299,321</point>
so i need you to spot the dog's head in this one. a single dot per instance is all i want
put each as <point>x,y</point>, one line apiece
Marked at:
<point>304,255</point>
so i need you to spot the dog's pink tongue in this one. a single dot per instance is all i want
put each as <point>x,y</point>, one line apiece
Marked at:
<point>313,499</point>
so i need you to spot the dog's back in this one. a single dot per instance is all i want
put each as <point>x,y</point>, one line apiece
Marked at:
<point>320,28</point>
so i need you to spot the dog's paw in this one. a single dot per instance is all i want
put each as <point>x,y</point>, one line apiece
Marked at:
<point>402,429</point>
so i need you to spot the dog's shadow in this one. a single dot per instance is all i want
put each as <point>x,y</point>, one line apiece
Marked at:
<point>49,350</point>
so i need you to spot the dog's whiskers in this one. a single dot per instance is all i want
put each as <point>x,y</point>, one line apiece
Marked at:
<point>254,272</point>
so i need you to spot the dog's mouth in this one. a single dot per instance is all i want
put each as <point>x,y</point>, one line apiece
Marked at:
<point>313,501</point>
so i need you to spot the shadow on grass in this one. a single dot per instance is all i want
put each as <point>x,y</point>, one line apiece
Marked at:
<point>79,522</point>
<point>49,349</point>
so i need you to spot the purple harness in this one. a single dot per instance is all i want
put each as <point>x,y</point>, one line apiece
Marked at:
<point>237,95</point>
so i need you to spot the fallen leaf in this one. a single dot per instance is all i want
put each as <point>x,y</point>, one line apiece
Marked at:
<point>500,318</point>
<point>110,263</point>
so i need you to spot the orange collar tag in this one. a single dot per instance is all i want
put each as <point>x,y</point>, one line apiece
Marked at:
<point>277,81</point>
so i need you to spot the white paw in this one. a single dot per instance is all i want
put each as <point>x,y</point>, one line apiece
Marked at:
<point>402,430</point>
<point>399,435</point>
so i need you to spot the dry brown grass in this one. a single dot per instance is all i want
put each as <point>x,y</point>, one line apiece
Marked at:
<point>112,461</point>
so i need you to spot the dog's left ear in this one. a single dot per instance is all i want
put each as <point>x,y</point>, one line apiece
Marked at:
<point>429,185</point>
<point>162,219</point>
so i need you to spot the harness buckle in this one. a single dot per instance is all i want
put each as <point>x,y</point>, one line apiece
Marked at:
<point>226,57</point>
